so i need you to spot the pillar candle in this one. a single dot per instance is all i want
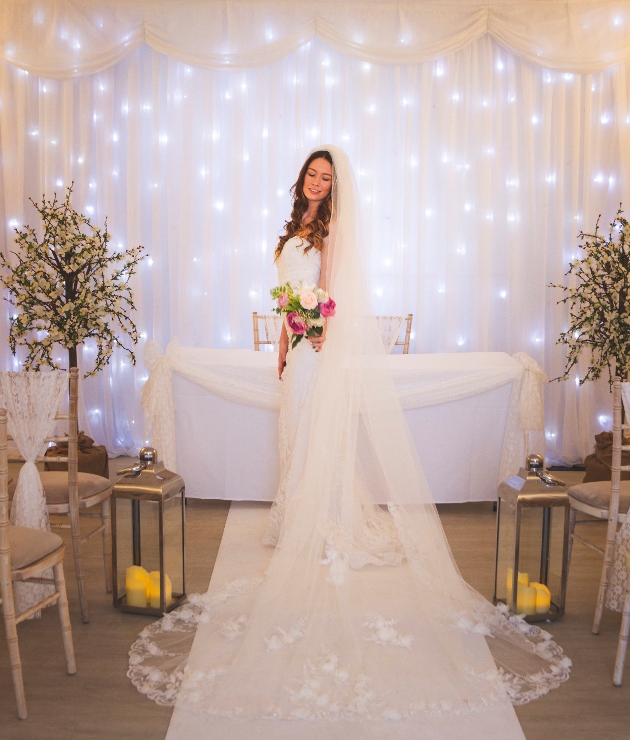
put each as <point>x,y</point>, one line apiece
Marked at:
<point>543,598</point>
<point>525,600</point>
<point>154,593</point>
<point>136,585</point>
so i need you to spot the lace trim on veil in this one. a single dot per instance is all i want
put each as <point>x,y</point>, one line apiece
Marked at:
<point>327,689</point>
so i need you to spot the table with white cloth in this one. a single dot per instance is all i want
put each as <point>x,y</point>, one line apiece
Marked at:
<point>214,418</point>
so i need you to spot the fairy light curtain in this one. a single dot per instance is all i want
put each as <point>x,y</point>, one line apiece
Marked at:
<point>477,168</point>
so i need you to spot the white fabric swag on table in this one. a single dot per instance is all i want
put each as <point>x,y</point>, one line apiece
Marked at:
<point>32,400</point>
<point>249,380</point>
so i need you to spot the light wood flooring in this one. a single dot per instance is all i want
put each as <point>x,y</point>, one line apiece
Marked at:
<point>100,702</point>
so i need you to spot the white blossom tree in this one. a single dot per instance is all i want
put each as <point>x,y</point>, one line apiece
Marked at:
<point>68,287</point>
<point>599,304</point>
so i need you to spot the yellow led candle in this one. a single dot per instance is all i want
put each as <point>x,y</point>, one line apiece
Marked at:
<point>136,583</point>
<point>543,598</point>
<point>525,599</point>
<point>154,591</point>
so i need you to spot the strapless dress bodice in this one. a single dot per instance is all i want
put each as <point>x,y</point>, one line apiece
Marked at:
<point>296,266</point>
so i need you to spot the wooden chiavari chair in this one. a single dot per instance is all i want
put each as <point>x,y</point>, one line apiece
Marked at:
<point>390,328</point>
<point>603,501</point>
<point>72,493</point>
<point>271,330</point>
<point>25,556</point>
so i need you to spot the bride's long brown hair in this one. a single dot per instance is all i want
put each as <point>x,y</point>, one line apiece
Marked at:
<point>316,231</point>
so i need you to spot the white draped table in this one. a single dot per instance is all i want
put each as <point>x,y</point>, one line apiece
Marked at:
<point>214,418</point>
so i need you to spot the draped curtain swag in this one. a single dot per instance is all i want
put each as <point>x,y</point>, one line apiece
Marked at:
<point>71,38</point>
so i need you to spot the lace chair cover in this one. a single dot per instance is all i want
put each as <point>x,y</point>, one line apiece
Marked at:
<point>389,327</point>
<point>619,581</point>
<point>32,400</point>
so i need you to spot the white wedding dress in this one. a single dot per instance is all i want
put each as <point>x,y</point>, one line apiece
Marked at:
<point>361,625</point>
<point>295,266</point>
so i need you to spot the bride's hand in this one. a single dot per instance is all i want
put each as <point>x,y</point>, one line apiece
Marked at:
<point>283,349</point>
<point>318,342</point>
<point>282,360</point>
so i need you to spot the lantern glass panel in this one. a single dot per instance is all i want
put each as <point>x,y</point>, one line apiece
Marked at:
<point>531,532</point>
<point>124,543</point>
<point>149,535</point>
<point>556,553</point>
<point>173,542</point>
<point>505,551</point>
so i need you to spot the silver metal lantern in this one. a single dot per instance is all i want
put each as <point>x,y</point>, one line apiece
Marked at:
<point>532,543</point>
<point>148,517</point>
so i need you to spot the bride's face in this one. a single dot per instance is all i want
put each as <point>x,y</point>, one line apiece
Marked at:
<point>318,180</point>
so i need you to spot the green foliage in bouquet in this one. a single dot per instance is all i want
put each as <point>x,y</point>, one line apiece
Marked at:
<point>67,287</point>
<point>599,305</point>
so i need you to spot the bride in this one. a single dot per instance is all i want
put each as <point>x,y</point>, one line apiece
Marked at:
<point>361,625</point>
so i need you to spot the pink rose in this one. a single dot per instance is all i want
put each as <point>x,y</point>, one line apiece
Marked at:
<point>308,299</point>
<point>327,309</point>
<point>283,300</point>
<point>295,323</point>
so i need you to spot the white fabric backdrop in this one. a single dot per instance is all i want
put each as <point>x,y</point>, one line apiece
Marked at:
<point>70,38</point>
<point>476,172</point>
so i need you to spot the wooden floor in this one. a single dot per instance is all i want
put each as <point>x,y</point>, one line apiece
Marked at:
<point>100,702</point>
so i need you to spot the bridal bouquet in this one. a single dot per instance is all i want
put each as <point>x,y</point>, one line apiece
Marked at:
<point>304,307</point>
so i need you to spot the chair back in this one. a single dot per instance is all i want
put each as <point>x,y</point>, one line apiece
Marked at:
<point>267,330</point>
<point>271,329</point>
<point>390,328</point>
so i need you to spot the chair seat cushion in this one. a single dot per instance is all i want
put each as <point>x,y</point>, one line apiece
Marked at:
<point>30,545</point>
<point>56,485</point>
<point>597,494</point>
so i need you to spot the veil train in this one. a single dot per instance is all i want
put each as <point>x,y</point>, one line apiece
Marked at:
<point>362,614</point>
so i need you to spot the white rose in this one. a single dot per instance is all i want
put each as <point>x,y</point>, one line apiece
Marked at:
<point>308,300</point>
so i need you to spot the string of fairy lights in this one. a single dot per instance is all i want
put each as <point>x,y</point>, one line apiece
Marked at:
<point>475,171</point>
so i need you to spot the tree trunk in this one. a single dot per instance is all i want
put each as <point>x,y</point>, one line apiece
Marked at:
<point>70,296</point>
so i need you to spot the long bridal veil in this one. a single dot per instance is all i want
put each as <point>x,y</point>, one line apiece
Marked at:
<point>361,613</point>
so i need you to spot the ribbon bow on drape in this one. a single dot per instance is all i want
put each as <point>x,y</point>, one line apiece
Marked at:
<point>32,400</point>
<point>157,400</point>
<point>531,405</point>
